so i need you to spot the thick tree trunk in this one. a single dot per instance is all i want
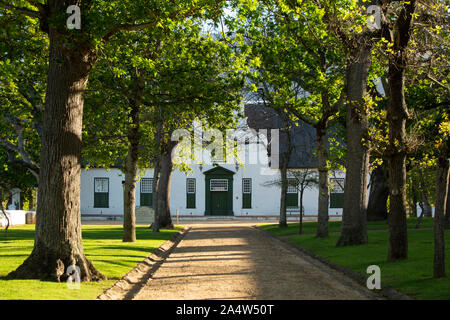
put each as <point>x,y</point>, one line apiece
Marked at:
<point>162,179</point>
<point>322,157</point>
<point>129,195</point>
<point>129,190</point>
<point>58,243</point>
<point>442,175</point>
<point>162,207</point>
<point>354,230</point>
<point>378,196</point>
<point>397,115</point>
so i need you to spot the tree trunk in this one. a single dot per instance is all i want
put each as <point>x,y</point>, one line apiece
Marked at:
<point>300,229</point>
<point>156,172</point>
<point>354,230</point>
<point>155,225</point>
<point>131,162</point>
<point>284,186</point>
<point>322,157</point>
<point>378,196</point>
<point>286,156</point>
<point>447,210</point>
<point>129,188</point>
<point>58,243</point>
<point>162,206</point>
<point>162,178</point>
<point>441,205</point>
<point>397,115</point>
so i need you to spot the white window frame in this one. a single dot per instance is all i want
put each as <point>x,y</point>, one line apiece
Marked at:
<point>103,180</point>
<point>222,188</point>
<point>246,189</point>
<point>291,188</point>
<point>191,186</point>
<point>148,184</point>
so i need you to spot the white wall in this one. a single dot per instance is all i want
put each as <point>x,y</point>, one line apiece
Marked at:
<point>265,199</point>
<point>16,217</point>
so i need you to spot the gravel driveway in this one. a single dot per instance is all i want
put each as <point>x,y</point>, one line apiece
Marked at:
<point>238,261</point>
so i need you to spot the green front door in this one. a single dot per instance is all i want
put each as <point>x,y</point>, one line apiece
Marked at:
<point>219,203</point>
<point>219,192</point>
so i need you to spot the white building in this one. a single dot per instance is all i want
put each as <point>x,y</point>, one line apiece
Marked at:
<point>213,191</point>
<point>220,189</point>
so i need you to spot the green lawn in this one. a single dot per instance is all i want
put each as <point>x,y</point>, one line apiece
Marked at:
<point>102,245</point>
<point>412,276</point>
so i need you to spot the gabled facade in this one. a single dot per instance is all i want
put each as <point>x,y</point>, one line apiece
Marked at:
<point>221,189</point>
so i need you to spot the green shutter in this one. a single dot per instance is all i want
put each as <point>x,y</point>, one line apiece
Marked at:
<point>146,192</point>
<point>146,199</point>
<point>292,199</point>
<point>191,190</point>
<point>246,200</point>
<point>101,200</point>
<point>246,193</point>
<point>190,203</point>
<point>336,200</point>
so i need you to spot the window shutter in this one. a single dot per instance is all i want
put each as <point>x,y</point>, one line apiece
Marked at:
<point>146,192</point>
<point>292,194</point>
<point>101,192</point>
<point>190,193</point>
<point>246,193</point>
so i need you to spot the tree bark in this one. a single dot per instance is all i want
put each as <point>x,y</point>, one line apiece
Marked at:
<point>442,176</point>
<point>354,230</point>
<point>162,178</point>
<point>447,210</point>
<point>131,162</point>
<point>58,243</point>
<point>300,229</point>
<point>322,157</point>
<point>129,196</point>
<point>378,196</point>
<point>286,156</point>
<point>162,206</point>
<point>155,225</point>
<point>397,114</point>
<point>283,203</point>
